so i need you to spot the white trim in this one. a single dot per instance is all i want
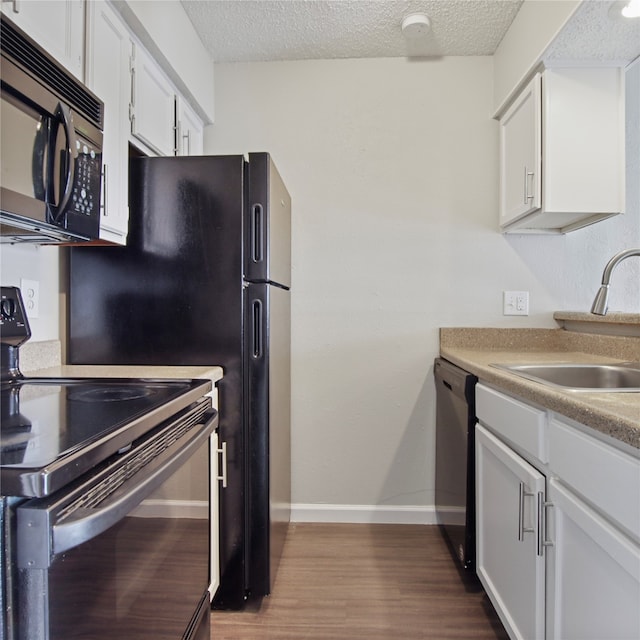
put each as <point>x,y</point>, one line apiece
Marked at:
<point>363,513</point>
<point>154,508</point>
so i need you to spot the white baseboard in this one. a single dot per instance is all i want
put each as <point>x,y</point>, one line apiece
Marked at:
<point>154,508</point>
<point>363,513</point>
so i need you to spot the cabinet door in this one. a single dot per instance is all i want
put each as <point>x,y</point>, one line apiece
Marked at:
<point>521,154</point>
<point>510,563</point>
<point>214,539</point>
<point>56,25</point>
<point>190,131</point>
<point>594,571</point>
<point>108,47</point>
<point>153,105</point>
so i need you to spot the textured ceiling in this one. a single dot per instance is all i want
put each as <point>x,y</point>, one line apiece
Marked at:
<point>597,32</point>
<point>251,30</point>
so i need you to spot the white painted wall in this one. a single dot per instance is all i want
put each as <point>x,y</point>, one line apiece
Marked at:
<point>392,168</point>
<point>40,263</point>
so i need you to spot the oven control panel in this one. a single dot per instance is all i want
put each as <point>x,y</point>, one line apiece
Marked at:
<point>14,326</point>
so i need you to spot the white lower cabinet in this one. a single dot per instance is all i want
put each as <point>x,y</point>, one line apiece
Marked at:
<point>558,524</point>
<point>509,564</point>
<point>214,539</point>
<point>594,593</point>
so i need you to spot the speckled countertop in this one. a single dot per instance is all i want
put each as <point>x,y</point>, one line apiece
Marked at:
<point>612,414</point>
<point>611,317</point>
<point>613,323</point>
<point>128,371</point>
<point>43,359</point>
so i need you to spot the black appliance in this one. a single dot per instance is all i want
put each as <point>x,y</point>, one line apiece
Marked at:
<point>99,537</point>
<point>209,251</point>
<point>50,144</point>
<point>455,459</point>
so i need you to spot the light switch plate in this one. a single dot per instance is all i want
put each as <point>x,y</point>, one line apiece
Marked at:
<point>515,303</point>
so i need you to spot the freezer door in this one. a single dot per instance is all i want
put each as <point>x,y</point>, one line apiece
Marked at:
<point>267,224</point>
<point>269,415</point>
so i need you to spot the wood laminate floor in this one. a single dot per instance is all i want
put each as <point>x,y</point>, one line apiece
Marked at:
<point>357,581</point>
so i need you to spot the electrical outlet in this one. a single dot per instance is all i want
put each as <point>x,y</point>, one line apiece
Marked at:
<point>31,297</point>
<point>515,303</point>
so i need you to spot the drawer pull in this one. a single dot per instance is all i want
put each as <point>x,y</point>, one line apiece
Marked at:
<point>523,493</point>
<point>542,523</point>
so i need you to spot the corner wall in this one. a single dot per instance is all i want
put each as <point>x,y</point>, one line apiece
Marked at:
<point>392,166</point>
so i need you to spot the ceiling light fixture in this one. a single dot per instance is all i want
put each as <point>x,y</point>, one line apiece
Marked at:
<point>416,25</point>
<point>631,9</point>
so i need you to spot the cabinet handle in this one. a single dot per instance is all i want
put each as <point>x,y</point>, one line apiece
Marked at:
<point>223,465</point>
<point>132,92</point>
<point>542,523</point>
<point>527,175</point>
<point>522,494</point>
<point>16,6</point>
<point>177,137</point>
<point>188,138</point>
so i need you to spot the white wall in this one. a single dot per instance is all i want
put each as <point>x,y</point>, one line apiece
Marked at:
<point>392,168</point>
<point>40,263</point>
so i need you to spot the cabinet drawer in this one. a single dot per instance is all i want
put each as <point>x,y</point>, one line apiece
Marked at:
<point>523,425</point>
<point>607,478</point>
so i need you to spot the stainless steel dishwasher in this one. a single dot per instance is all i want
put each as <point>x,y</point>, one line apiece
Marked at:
<point>455,465</point>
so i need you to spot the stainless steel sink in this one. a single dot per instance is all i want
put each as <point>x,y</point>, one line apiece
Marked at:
<point>581,377</point>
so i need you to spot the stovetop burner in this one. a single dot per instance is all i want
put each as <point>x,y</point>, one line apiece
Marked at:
<point>113,394</point>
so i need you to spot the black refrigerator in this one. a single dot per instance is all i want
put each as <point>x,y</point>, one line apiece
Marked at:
<point>205,280</point>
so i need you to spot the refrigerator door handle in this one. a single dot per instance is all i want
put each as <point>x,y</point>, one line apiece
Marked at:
<point>257,232</point>
<point>258,338</point>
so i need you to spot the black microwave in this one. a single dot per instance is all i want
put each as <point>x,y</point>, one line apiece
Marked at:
<point>50,147</point>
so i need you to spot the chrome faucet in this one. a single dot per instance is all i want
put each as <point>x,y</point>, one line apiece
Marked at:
<point>599,306</point>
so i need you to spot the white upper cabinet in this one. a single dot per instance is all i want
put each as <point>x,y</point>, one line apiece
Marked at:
<point>56,25</point>
<point>521,154</point>
<point>108,50</point>
<point>562,151</point>
<point>152,105</point>
<point>189,130</point>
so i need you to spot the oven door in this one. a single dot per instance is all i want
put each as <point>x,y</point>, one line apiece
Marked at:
<point>123,554</point>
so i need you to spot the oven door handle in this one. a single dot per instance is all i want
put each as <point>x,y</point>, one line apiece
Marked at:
<point>42,537</point>
<point>89,523</point>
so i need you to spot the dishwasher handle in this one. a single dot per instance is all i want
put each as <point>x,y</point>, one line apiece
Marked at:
<point>459,382</point>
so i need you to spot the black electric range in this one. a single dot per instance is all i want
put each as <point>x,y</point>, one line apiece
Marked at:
<point>56,429</point>
<point>104,501</point>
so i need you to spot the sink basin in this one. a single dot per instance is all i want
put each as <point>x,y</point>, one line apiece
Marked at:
<point>581,377</point>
